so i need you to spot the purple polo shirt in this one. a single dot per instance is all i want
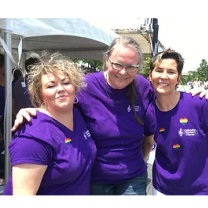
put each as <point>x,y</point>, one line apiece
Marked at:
<point>181,163</point>
<point>117,135</point>
<point>68,154</point>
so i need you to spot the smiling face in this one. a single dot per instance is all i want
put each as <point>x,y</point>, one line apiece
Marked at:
<point>119,79</point>
<point>164,77</point>
<point>57,92</point>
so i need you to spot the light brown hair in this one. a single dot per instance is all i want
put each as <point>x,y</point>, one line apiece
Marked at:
<point>52,64</point>
<point>130,42</point>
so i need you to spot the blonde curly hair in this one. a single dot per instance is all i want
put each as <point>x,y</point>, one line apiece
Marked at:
<point>53,63</point>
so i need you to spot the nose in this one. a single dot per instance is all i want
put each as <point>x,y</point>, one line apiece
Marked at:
<point>164,75</point>
<point>123,71</point>
<point>60,87</point>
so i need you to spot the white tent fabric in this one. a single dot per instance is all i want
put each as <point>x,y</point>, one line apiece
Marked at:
<point>74,36</point>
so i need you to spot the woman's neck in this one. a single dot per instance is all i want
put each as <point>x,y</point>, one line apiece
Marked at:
<point>66,118</point>
<point>106,78</point>
<point>167,102</point>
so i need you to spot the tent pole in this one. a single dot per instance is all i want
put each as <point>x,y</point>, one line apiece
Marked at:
<point>155,27</point>
<point>8,104</point>
<point>22,62</point>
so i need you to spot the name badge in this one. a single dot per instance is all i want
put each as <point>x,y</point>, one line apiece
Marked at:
<point>23,84</point>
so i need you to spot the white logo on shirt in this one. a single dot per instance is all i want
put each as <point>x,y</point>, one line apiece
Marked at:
<point>188,132</point>
<point>86,134</point>
<point>136,108</point>
<point>180,132</point>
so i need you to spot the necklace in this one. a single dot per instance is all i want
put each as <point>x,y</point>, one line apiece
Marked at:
<point>106,91</point>
<point>167,108</point>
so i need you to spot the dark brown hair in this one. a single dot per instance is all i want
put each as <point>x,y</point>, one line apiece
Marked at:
<point>168,54</point>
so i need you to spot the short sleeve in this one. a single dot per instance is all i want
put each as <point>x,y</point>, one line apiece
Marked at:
<point>204,115</point>
<point>30,151</point>
<point>149,121</point>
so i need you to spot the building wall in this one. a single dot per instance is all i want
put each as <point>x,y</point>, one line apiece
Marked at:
<point>142,37</point>
<point>144,43</point>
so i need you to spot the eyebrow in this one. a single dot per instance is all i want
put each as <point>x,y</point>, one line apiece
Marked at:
<point>166,68</point>
<point>53,81</point>
<point>115,62</point>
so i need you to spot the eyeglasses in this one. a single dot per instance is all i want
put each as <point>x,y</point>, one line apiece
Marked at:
<point>129,68</point>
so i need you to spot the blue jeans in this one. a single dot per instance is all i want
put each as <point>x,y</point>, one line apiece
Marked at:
<point>133,186</point>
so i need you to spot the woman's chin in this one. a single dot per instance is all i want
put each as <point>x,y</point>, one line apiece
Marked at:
<point>162,91</point>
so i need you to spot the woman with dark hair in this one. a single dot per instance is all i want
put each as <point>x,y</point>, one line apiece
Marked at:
<point>181,164</point>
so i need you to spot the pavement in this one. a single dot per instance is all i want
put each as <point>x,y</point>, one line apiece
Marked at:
<point>1,189</point>
<point>149,180</point>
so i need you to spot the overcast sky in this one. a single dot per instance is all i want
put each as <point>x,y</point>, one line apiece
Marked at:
<point>189,36</point>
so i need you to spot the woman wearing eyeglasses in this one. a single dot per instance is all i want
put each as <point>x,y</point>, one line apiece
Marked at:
<point>115,107</point>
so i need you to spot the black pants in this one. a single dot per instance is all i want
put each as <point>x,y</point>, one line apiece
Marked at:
<point>2,165</point>
<point>2,158</point>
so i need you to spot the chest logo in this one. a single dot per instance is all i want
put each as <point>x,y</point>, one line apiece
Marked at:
<point>176,146</point>
<point>183,120</point>
<point>136,108</point>
<point>188,132</point>
<point>68,141</point>
<point>161,129</point>
<point>86,134</point>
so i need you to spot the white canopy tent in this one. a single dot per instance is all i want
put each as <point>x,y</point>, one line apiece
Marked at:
<point>74,37</point>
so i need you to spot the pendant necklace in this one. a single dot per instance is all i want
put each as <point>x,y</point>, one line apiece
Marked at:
<point>173,104</point>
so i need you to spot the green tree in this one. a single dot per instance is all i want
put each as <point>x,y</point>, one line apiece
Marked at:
<point>200,73</point>
<point>202,70</point>
<point>92,64</point>
<point>145,67</point>
<point>76,60</point>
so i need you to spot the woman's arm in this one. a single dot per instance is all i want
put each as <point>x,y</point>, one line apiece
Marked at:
<point>26,114</point>
<point>147,146</point>
<point>26,178</point>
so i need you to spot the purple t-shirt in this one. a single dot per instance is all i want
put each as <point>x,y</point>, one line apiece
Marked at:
<point>117,135</point>
<point>68,154</point>
<point>181,163</point>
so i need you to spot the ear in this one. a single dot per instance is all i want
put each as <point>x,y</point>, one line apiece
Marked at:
<point>150,76</point>
<point>179,78</point>
<point>106,60</point>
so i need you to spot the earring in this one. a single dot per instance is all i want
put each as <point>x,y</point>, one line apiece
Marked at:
<point>176,86</point>
<point>76,100</point>
<point>44,105</point>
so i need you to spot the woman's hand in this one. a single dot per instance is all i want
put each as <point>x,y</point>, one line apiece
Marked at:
<point>24,113</point>
<point>201,91</point>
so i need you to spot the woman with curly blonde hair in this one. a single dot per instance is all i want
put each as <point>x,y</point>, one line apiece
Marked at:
<point>53,154</point>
